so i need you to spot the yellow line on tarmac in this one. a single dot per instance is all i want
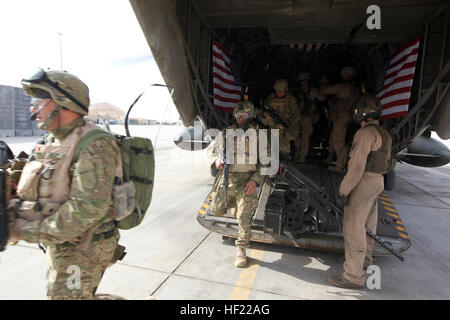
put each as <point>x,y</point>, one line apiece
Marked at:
<point>391,209</point>
<point>387,203</point>
<point>403,235</point>
<point>393,215</point>
<point>244,284</point>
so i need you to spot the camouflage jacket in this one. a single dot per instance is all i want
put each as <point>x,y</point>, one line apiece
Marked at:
<point>89,191</point>
<point>215,152</point>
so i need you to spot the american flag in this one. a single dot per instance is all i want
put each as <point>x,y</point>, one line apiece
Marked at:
<point>398,81</point>
<point>308,46</point>
<point>226,91</point>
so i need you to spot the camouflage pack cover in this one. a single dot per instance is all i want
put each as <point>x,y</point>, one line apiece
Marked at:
<point>247,107</point>
<point>138,164</point>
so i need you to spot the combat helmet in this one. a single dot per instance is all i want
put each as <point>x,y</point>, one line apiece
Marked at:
<point>64,88</point>
<point>303,76</point>
<point>247,107</point>
<point>347,72</point>
<point>367,106</point>
<point>281,85</point>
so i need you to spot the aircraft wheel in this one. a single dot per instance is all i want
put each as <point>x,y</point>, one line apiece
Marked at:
<point>389,180</point>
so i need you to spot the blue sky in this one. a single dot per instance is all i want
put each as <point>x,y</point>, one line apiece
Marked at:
<point>102,44</point>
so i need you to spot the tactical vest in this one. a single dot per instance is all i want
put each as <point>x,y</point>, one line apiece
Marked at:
<point>281,106</point>
<point>243,149</point>
<point>380,161</point>
<point>46,179</point>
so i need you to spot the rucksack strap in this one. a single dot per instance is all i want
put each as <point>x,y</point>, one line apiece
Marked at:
<point>87,139</point>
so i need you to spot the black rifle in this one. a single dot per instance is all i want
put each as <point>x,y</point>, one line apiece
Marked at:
<point>5,155</point>
<point>226,172</point>
<point>274,116</point>
<point>298,179</point>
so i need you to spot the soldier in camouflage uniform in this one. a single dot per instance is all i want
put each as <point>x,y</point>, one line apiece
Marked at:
<point>243,179</point>
<point>283,105</point>
<point>307,96</point>
<point>62,203</point>
<point>346,94</point>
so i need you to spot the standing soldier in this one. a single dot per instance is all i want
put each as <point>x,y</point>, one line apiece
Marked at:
<point>243,179</point>
<point>307,97</point>
<point>346,94</point>
<point>370,157</point>
<point>330,106</point>
<point>282,113</point>
<point>64,203</point>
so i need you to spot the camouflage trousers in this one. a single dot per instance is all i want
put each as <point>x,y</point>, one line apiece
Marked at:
<point>75,274</point>
<point>246,204</point>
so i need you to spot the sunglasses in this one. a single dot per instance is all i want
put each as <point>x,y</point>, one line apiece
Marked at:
<point>41,76</point>
<point>243,115</point>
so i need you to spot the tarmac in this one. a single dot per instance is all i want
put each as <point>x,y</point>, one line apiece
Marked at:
<point>170,256</point>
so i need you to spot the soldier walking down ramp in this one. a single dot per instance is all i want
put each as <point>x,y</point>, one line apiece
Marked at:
<point>65,203</point>
<point>346,94</point>
<point>370,157</point>
<point>283,106</point>
<point>243,179</point>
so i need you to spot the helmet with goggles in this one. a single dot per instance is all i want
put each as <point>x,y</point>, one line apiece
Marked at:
<point>62,87</point>
<point>244,107</point>
<point>366,107</point>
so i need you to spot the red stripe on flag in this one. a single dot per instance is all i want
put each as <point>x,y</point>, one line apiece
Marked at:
<point>415,51</point>
<point>405,60</point>
<point>396,91</point>
<point>219,77</point>
<point>395,103</point>
<point>223,77</point>
<point>218,97</point>
<point>226,90</point>
<point>394,115</point>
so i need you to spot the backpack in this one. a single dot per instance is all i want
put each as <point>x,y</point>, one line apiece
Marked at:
<point>138,165</point>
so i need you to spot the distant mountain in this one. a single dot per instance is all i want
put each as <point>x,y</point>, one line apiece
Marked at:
<point>106,110</point>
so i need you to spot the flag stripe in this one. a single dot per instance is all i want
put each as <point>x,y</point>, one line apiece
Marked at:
<point>308,47</point>
<point>226,92</point>
<point>228,95</point>
<point>397,84</point>
<point>225,86</point>
<point>396,91</point>
<point>407,49</point>
<point>408,62</point>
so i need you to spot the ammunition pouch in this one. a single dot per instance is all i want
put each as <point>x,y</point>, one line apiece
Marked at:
<point>123,200</point>
<point>32,210</point>
<point>29,183</point>
<point>16,167</point>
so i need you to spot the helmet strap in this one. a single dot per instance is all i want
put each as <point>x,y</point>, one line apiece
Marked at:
<point>48,122</point>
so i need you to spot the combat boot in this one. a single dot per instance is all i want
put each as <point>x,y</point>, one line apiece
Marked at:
<point>341,282</point>
<point>241,257</point>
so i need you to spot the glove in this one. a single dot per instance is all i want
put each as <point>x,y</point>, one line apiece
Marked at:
<point>342,200</point>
